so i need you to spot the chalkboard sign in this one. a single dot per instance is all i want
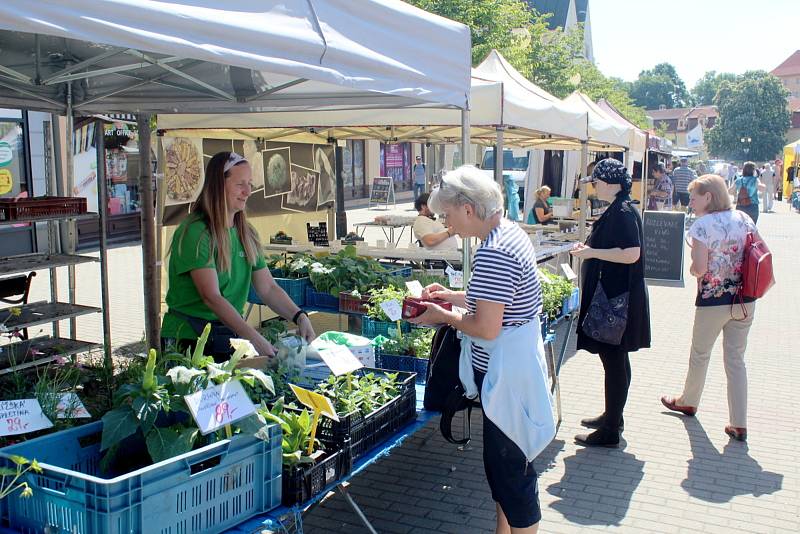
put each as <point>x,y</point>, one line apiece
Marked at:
<point>318,235</point>
<point>382,188</point>
<point>664,245</point>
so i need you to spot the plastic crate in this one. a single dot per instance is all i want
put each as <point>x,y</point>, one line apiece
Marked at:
<point>294,287</point>
<point>403,271</point>
<point>207,490</point>
<point>404,362</point>
<point>363,432</point>
<point>302,482</point>
<point>322,301</point>
<point>350,304</point>
<point>40,207</point>
<point>371,328</point>
<point>572,302</point>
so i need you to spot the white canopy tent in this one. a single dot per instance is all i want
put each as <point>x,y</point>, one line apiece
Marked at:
<point>146,56</point>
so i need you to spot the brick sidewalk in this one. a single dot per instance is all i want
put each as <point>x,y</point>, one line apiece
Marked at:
<point>674,474</point>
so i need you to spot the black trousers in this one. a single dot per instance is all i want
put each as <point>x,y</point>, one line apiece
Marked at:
<point>617,368</point>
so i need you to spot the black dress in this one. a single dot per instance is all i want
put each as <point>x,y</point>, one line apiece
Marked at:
<point>620,226</point>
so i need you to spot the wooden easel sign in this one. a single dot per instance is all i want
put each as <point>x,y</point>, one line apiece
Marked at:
<point>381,189</point>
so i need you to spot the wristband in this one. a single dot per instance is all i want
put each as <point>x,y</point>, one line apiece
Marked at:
<point>297,315</point>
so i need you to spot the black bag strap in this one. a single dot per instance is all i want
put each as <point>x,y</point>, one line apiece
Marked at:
<point>455,402</point>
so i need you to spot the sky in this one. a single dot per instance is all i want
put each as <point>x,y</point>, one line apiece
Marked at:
<point>695,36</point>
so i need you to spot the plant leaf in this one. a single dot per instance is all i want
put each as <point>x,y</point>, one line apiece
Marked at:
<point>197,356</point>
<point>265,380</point>
<point>117,425</point>
<point>251,424</point>
<point>183,375</point>
<point>166,443</point>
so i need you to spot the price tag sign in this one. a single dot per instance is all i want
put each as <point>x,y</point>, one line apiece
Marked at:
<point>70,407</point>
<point>22,416</point>
<point>456,278</point>
<point>392,309</point>
<point>340,360</point>
<point>414,288</point>
<point>315,401</point>
<point>568,272</point>
<point>217,406</point>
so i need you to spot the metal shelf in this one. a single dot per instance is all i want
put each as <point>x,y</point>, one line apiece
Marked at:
<point>45,312</point>
<point>44,218</point>
<point>39,351</point>
<point>34,262</point>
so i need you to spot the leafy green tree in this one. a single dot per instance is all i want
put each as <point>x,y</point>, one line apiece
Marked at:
<point>706,87</point>
<point>596,85</point>
<point>660,86</point>
<point>755,107</point>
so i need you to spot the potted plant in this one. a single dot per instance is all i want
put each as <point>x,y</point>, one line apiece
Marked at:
<point>409,352</point>
<point>376,322</point>
<point>280,238</point>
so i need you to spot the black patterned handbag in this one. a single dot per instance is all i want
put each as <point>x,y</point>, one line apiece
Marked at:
<point>606,318</point>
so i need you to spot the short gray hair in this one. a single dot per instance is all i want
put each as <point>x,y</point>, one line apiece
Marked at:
<point>468,185</point>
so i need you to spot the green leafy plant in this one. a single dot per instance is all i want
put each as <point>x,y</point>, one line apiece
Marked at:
<point>345,271</point>
<point>379,296</point>
<point>273,329</point>
<point>364,394</point>
<point>555,289</point>
<point>9,483</point>
<point>416,343</point>
<point>296,426</point>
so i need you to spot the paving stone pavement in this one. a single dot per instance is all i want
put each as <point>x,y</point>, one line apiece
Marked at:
<point>674,474</point>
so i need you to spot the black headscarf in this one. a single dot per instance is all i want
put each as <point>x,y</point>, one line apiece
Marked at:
<point>612,171</point>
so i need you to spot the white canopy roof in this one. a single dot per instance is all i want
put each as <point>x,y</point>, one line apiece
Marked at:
<point>638,137</point>
<point>237,55</point>
<point>500,96</point>
<point>602,128</point>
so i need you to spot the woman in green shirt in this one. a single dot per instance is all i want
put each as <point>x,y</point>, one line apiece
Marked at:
<point>214,258</point>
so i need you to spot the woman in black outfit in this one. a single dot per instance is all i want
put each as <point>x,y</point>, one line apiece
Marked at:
<point>613,252</point>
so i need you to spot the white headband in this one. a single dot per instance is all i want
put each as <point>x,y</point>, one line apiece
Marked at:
<point>233,159</point>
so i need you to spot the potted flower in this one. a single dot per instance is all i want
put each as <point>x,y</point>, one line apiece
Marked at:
<point>376,322</point>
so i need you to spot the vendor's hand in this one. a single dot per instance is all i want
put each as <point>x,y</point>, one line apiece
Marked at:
<point>437,291</point>
<point>433,315</point>
<point>263,347</point>
<point>305,329</point>
<point>582,251</point>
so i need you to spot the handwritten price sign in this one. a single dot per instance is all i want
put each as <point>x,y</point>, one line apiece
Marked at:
<point>22,416</point>
<point>217,406</point>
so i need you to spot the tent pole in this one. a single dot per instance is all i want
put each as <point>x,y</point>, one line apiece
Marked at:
<point>466,160</point>
<point>159,222</point>
<point>498,157</point>
<point>151,311</point>
<point>341,213</point>
<point>71,229</point>
<point>102,208</point>
<point>583,193</point>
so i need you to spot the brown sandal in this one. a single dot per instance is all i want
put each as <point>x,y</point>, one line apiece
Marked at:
<point>737,433</point>
<point>669,402</point>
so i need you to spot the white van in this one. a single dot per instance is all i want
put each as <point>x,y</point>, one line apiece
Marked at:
<point>515,164</point>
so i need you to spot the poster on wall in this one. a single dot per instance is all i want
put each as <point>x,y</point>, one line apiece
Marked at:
<point>287,177</point>
<point>183,170</point>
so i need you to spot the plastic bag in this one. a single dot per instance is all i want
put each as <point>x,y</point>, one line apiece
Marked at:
<point>291,352</point>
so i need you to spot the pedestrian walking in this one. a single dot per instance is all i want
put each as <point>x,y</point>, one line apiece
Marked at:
<point>504,358</point>
<point>746,188</point>
<point>717,251</point>
<point>681,176</point>
<point>419,177</point>
<point>768,179</point>
<point>614,317</point>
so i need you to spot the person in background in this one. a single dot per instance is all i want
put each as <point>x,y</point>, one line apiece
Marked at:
<point>214,259</point>
<point>680,180</point>
<point>768,179</point>
<point>589,169</point>
<point>431,233</point>
<point>718,240</point>
<point>613,265</point>
<point>733,172</point>
<point>419,177</point>
<point>661,195</point>
<point>502,350</point>
<point>542,212</point>
<point>745,188</point>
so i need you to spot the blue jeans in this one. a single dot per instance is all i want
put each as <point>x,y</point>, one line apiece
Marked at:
<point>418,190</point>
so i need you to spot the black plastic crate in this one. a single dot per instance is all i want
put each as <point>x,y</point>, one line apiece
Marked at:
<point>302,482</point>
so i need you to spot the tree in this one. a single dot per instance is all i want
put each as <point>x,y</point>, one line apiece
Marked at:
<point>754,107</point>
<point>660,86</point>
<point>596,85</point>
<point>706,87</point>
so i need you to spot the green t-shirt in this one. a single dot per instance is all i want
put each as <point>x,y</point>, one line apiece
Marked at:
<point>191,250</point>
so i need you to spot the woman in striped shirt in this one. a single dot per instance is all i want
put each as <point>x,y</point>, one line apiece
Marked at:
<point>503,300</point>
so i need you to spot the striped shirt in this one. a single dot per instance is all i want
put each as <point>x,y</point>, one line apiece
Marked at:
<point>681,176</point>
<point>504,271</point>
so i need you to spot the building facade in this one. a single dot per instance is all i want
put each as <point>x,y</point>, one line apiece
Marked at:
<point>679,125</point>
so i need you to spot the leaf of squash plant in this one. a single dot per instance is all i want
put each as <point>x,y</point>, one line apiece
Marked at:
<point>262,377</point>
<point>166,443</point>
<point>117,425</point>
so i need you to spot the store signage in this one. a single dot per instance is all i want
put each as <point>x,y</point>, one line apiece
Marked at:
<point>22,416</point>
<point>382,189</point>
<point>6,181</point>
<point>6,154</point>
<point>393,154</point>
<point>340,360</point>
<point>663,245</point>
<point>217,406</point>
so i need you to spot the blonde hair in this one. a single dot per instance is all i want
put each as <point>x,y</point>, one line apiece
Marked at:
<point>212,208</point>
<point>542,190</point>
<point>715,186</point>
<point>468,185</point>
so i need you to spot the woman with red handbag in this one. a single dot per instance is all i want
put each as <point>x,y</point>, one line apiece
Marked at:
<point>719,237</point>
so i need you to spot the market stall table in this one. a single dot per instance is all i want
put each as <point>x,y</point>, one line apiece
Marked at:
<point>391,226</point>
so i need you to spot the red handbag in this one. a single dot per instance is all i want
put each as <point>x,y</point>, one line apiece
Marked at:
<point>757,275</point>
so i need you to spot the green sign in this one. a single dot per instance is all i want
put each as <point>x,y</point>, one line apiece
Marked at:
<point>6,154</point>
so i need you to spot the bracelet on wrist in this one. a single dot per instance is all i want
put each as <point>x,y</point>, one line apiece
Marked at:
<point>297,315</point>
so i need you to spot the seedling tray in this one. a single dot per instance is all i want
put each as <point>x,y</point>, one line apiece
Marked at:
<point>302,482</point>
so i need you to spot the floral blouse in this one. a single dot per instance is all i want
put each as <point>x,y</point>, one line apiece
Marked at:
<point>724,233</point>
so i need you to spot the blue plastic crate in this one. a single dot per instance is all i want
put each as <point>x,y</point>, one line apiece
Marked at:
<point>371,328</point>
<point>207,490</point>
<point>572,302</point>
<point>403,271</point>
<point>403,362</point>
<point>294,287</point>
<point>321,301</point>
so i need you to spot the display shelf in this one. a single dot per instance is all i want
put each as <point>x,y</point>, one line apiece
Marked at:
<point>34,262</point>
<point>45,312</point>
<point>39,351</point>
<point>44,218</point>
